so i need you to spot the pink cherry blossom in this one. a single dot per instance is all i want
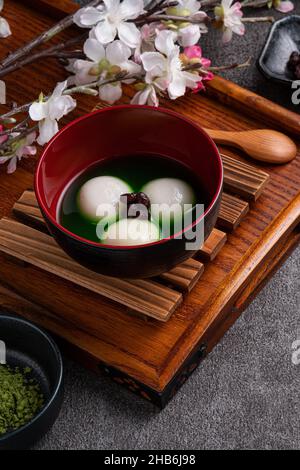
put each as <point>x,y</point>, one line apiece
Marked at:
<point>3,138</point>
<point>23,149</point>
<point>229,15</point>
<point>195,52</point>
<point>284,6</point>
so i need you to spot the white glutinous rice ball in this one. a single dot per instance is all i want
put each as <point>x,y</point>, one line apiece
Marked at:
<point>171,193</point>
<point>129,232</point>
<point>99,197</point>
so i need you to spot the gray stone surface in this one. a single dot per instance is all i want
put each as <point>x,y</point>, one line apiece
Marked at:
<point>246,393</point>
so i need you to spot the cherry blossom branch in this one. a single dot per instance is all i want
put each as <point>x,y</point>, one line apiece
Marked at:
<point>191,20</point>
<point>20,135</point>
<point>13,62</point>
<point>23,130</point>
<point>209,3</point>
<point>5,118</point>
<point>19,127</point>
<point>89,89</point>
<point>259,19</point>
<point>185,19</point>
<point>245,3</point>
<point>158,7</point>
<point>42,38</point>
<point>123,76</point>
<point>54,51</point>
<point>254,3</point>
<point>104,66</point>
<point>221,68</point>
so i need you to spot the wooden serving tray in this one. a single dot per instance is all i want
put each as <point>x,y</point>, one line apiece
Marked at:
<point>149,357</point>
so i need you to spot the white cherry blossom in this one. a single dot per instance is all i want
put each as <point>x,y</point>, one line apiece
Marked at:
<point>164,68</point>
<point>146,96</point>
<point>148,36</point>
<point>229,14</point>
<point>112,19</point>
<point>284,6</point>
<point>22,148</point>
<point>4,26</point>
<point>48,112</point>
<point>193,6</point>
<point>104,63</point>
<point>155,50</point>
<point>189,34</point>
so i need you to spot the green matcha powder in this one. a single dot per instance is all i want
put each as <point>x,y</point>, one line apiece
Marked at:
<point>20,398</point>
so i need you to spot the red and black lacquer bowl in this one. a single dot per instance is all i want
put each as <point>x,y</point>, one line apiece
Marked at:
<point>122,131</point>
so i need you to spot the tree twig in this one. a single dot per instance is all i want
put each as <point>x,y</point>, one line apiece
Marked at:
<point>8,143</point>
<point>53,51</point>
<point>159,7</point>
<point>22,125</point>
<point>42,38</point>
<point>17,110</point>
<point>122,76</point>
<point>254,3</point>
<point>209,3</point>
<point>259,19</point>
<point>185,19</point>
<point>221,68</point>
<point>229,67</point>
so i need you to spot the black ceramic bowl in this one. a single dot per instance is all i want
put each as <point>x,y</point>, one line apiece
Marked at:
<point>29,346</point>
<point>118,132</point>
<point>284,38</point>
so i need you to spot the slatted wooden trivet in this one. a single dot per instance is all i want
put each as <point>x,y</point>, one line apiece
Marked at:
<point>27,240</point>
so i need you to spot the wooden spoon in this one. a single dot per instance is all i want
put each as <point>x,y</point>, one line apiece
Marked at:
<point>262,144</point>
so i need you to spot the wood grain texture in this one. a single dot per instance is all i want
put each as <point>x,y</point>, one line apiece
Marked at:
<point>185,276</point>
<point>232,212</point>
<point>244,179</point>
<point>146,297</point>
<point>255,106</point>
<point>264,145</point>
<point>213,246</point>
<point>56,9</point>
<point>153,352</point>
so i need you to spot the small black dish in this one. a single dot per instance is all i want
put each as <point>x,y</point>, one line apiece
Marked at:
<point>29,346</point>
<point>283,39</point>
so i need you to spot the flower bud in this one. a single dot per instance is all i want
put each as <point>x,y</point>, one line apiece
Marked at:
<point>183,24</point>
<point>95,70</point>
<point>8,121</point>
<point>173,27</point>
<point>219,12</point>
<point>104,65</point>
<point>195,60</point>
<point>184,59</point>
<point>115,70</point>
<point>140,86</point>
<point>176,11</point>
<point>193,52</point>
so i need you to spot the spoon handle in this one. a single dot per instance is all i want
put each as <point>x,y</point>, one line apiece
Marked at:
<point>222,137</point>
<point>262,144</point>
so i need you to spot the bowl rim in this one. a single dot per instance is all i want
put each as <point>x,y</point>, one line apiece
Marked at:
<point>59,381</point>
<point>53,220</point>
